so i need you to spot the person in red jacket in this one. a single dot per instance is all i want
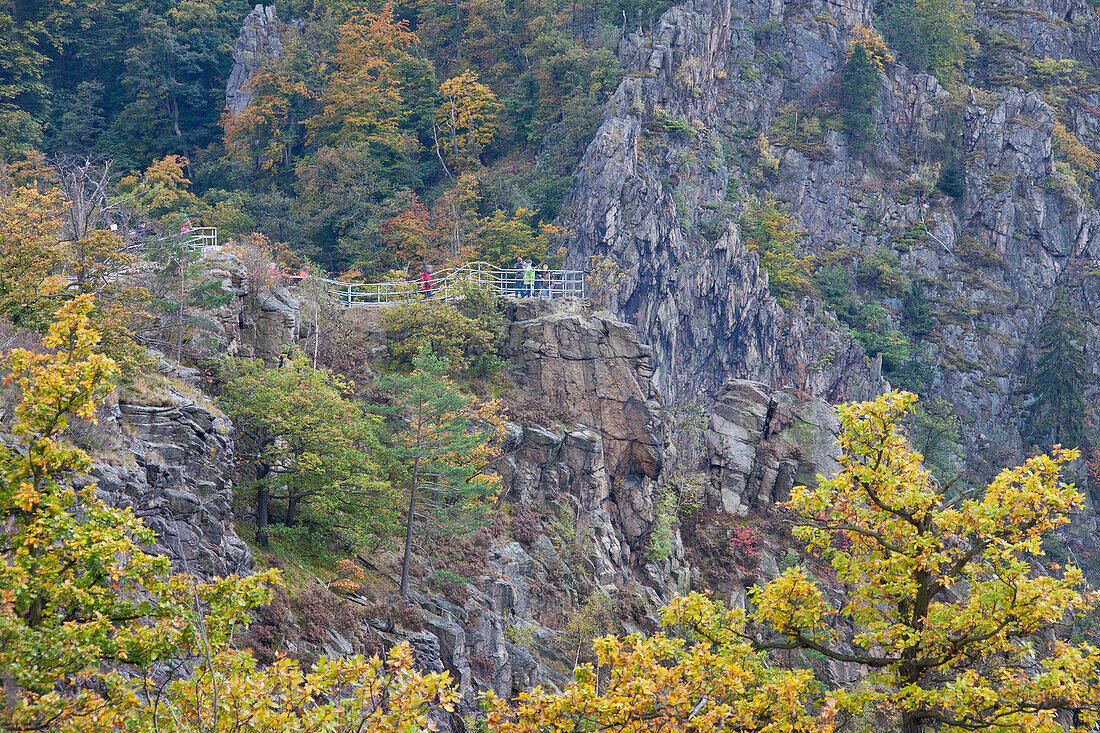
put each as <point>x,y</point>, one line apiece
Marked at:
<point>426,284</point>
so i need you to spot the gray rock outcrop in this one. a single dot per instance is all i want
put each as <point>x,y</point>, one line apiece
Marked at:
<point>250,323</point>
<point>762,443</point>
<point>260,39</point>
<point>662,204</point>
<point>172,463</point>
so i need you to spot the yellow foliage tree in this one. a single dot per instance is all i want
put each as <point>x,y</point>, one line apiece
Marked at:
<point>945,593</point>
<point>711,682</point>
<point>873,43</point>
<point>362,101</point>
<point>467,119</point>
<point>769,229</point>
<point>30,223</point>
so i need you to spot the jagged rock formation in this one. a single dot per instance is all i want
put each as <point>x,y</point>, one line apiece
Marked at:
<point>761,444</point>
<point>590,371</point>
<point>260,39</point>
<point>252,323</point>
<point>988,259</point>
<point>172,462</point>
<point>580,492</point>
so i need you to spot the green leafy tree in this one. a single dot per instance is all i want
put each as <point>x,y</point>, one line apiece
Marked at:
<point>443,441</point>
<point>932,35</point>
<point>466,341</point>
<point>317,454</point>
<point>80,596</point>
<point>23,94</point>
<point>949,614</point>
<point>768,228</point>
<point>1061,376</point>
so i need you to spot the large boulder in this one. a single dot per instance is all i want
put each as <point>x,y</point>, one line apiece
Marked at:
<point>762,443</point>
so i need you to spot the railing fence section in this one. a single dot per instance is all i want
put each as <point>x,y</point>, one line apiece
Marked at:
<point>446,284</point>
<point>452,284</point>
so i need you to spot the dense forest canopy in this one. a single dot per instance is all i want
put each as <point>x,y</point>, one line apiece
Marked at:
<point>380,135</point>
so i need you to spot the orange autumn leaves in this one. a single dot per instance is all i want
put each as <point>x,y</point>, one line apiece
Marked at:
<point>355,93</point>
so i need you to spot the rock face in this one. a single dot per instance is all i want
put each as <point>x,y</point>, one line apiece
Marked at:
<point>260,39</point>
<point>173,466</point>
<point>762,443</point>
<point>579,488</point>
<point>988,256</point>
<point>249,324</point>
<point>591,370</point>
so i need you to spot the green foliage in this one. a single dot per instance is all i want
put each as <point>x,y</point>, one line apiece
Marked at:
<point>937,436</point>
<point>932,35</point>
<point>859,86</point>
<point>768,228</point>
<point>880,270</point>
<point>442,445</point>
<point>466,341</point>
<point>951,179</point>
<point>917,318</point>
<point>661,120</point>
<point>798,130</point>
<point>318,455</point>
<point>660,545</point>
<point>1061,375</point>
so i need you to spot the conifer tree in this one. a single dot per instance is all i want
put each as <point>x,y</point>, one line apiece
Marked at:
<point>444,442</point>
<point>1061,375</point>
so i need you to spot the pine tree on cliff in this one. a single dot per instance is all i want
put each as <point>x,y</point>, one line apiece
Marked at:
<point>443,442</point>
<point>860,83</point>
<point>1061,375</point>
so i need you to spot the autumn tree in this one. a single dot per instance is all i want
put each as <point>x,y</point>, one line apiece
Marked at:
<point>362,101</point>
<point>79,594</point>
<point>30,223</point>
<point>229,693</point>
<point>698,674</point>
<point>769,229</point>
<point>317,452</point>
<point>443,440</point>
<point>1061,376</point>
<point>950,614</point>
<point>466,120</point>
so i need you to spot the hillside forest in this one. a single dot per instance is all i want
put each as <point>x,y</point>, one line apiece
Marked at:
<point>783,469</point>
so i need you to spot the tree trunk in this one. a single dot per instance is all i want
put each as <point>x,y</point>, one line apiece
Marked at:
<point>409,530</point>
<point>263,501</point>
<point>291,509</point>
<point>179,324</point>
<point>910,723</point>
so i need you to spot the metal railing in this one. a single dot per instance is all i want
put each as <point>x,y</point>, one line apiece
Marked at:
<point>452,284</point>
<point>200,239</point>
<point>446,284</point>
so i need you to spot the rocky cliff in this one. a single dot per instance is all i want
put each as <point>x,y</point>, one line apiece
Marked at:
<point>167,452</point>
<point>988,257</point>
<point>260,39</point>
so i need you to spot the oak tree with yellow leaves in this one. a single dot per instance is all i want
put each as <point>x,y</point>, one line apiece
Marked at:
<point>951,606</point>
<point>700,675</point>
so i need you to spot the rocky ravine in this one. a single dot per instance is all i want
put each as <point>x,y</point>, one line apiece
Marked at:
<point>991,257</point>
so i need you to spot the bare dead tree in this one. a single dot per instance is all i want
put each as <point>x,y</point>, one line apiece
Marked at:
<point>87,185</point>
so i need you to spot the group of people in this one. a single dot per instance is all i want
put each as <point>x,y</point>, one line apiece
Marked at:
<point>531,280</point>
